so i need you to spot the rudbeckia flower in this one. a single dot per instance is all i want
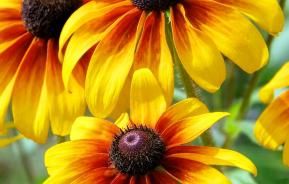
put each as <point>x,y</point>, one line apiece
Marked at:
<point>272,126</point>
<point>30,72</point>
<point>130,34</point>
<point>150,146</point>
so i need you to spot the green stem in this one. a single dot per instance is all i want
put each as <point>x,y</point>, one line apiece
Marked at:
<point>190,88</point>
<point>25,162</point>
<point>254,80</point>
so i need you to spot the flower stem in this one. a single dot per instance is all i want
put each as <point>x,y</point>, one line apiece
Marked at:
<point>254,79</point>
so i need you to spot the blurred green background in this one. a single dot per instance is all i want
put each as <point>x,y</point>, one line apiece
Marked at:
<point>25,155</point>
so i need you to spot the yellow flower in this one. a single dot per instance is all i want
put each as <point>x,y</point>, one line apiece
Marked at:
<point>129,34</point>
<point>272,126</point>
<point>147,147</point>
<point>5,138</point>
<point>30,72</point>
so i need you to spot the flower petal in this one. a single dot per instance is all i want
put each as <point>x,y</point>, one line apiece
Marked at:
<point>63,154</point>
<point>235,36</point>
<point>152,41</point>
<point>7,141</point>
<point>280,80</point>
<point>111,63</point>
<point>198,54</point>
<point>64,106</point>
<point>87,36</point>
<point>123,121</point>
<point>273,22</point>
<point>186,130</point>
<point>176,112</point>
<point>212,156</point>
<point>147,99</point>
<point>29,98</point>
<point>272,126</point>
<point>161,177</point>
<point>188,172</point>
<point>93,128</point>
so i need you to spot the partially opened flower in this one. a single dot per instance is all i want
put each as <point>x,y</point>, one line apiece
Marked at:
<point>272,127</point>
<point>130,34</point>
<point>30,72</point>
<point>149,147</point>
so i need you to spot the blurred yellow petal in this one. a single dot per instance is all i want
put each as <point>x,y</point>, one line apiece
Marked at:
<point>29,98</point>
<point>186,130</point>
<point>153,53</point>
<point>213,156</point>
<point>110,64</point>
<point>197,52</point>
<point>147,99</point>
<point>272,126</point>
<point>93,128</point>
<point>176,112</point>
<point>280,80</point>
<point>64,106</point>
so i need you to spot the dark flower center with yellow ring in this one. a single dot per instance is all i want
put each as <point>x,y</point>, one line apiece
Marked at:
<point>154,5</point>
<point>137,150</point>
<point>45,18</point>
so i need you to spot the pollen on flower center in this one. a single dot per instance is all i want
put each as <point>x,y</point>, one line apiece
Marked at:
<point>137,151</point>
<point>154,5</point>
<point>45,18</point>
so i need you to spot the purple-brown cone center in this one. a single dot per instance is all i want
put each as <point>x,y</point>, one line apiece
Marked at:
<point>45,18</point>
<point>154,5</point>
<point>137,150</point>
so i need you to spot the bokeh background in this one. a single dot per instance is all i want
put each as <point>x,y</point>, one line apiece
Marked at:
<point>22,162</point>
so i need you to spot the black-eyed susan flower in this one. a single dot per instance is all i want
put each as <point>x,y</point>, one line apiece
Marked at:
<point>147,147</point>
<point>129,34</point>
<point>30,72</point>
<point>272,126</point>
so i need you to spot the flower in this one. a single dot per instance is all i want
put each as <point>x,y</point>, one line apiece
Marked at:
<point>130,34</point>
<point>148,147</point>
<point>272,126</point>
<point>30,72</point>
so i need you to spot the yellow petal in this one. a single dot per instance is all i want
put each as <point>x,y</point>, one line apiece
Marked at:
<point>93,128</point>
<point>147,99</point>
<point>272,126</point>
<point>280,80</point>
<point>197,52</point>
<point>267,13</point>
<point>123,121</point>
<point>152,41</point>
<point>235,36</point>
<point>110,64</point>
<point>186,130</point>
<point>29,98</point>
<point>191,172</point>
<point>89,34</point>
<point>64,106</point>
<point>62,154</point>
<point>213,156</point>
<point>176,112</point>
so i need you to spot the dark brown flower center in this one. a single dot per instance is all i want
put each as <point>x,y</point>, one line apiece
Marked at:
<point>137,150</point>
<point>45,18</point>
<point>154,5</point>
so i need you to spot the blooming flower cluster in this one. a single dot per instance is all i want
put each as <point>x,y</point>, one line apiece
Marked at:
<point>119,60</point>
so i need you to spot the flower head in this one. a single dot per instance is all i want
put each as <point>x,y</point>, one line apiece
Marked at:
<point>147,147</point>
<point>30,72</point>
<point>272,126</point>
<point>130,34</point>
